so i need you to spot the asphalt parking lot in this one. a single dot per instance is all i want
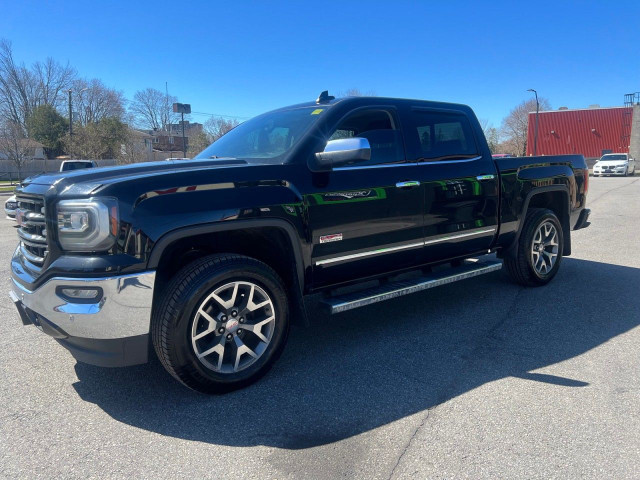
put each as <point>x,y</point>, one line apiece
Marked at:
<point>479,379</point>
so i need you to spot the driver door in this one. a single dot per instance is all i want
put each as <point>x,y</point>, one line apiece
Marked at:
<point>366,219</point>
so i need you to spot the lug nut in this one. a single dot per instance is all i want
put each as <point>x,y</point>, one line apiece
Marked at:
<point>234,313</point>
<point>239,331</point>
<point>241,319</point>
<point>229,336</point>
<point>223,318</point>
<point>221,330</point>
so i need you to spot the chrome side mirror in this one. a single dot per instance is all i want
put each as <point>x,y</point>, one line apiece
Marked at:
<point>342,151</point>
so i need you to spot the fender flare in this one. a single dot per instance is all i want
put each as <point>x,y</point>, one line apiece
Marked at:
<point>184,232</point>
<point>511,249</point>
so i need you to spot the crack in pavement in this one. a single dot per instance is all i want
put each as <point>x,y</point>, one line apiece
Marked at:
<point>613,190</point>
<point>488,335</point>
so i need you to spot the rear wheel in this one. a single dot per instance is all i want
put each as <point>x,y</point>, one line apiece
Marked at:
<point>539,250</point>
<point>222,323</point>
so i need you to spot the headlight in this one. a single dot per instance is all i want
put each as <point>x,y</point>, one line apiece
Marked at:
<point>87,225</point>
<point>11,205</point>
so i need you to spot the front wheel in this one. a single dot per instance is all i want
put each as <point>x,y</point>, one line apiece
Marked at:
<point>539,251</point>
<point>221,323</point>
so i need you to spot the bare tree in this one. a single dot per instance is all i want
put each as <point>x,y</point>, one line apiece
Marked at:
<point>153,109</point>
<point>53,79</point>
<point>514,126</point>
<point>94,101</point>
<point>14,144</point>
<point>356,92</point>
<point>134,147</point>
<point>97,140</point>
<point>22,89</point>
<point>197,143</point>
<point>216,127</point>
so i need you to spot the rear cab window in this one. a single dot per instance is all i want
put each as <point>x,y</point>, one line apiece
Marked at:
<point>435,135</point>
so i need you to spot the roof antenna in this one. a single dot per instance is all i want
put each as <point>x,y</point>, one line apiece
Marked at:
<point>325,97</point>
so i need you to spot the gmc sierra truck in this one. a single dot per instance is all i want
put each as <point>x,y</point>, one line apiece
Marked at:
<point>205,263</point>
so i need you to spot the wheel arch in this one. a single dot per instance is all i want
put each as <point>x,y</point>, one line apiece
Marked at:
<point>555,198</point>
<point>272,241</point>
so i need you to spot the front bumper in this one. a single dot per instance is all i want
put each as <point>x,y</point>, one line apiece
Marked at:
<point>114,331</point>
<point>610,172</point>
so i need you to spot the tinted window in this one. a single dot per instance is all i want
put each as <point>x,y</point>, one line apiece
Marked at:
<point>75,166</point>
<point>442,136</point>
<point>379,127</point>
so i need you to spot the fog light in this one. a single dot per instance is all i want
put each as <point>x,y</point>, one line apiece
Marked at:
<point>81,293</point>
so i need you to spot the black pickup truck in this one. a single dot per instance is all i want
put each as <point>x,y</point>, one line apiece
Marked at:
<point>206,262</point>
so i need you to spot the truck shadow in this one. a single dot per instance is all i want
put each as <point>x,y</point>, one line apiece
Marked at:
<point>366,368</point>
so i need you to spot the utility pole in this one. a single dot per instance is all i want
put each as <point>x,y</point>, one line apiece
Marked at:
<point>70,114</point>
<point>184,144</point>
<point>535,134</point>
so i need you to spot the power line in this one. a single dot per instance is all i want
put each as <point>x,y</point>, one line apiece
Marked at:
<point>219,115</point>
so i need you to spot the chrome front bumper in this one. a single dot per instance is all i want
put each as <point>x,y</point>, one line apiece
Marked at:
<point>124,309</point>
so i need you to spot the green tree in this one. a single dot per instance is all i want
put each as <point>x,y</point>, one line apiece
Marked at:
<point>48,127</point>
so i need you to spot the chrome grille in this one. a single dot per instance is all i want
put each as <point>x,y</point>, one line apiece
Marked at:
<point>32,232</point>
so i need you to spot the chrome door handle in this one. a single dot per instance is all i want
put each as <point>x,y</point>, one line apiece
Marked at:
<point>408,184</point>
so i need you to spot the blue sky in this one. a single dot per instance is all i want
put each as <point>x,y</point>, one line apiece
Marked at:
<point>243,58</point>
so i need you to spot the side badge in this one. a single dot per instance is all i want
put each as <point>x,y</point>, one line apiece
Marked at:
<point>334,237</point>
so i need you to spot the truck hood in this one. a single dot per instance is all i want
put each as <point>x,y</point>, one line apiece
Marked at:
<point>103,175</point>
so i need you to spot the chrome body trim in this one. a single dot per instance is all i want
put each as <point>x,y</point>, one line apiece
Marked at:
<point>440,162</point>
<point>407,184</point>
<point>123,311</point>
<point>368,253</point>
<point>379,251</point>
<point>456,236</point>
<point>398,289</point>
<point>408,164</point>
<point>382,165</point>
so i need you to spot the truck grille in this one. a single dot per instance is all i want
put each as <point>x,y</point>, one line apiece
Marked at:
<point>32,232</point>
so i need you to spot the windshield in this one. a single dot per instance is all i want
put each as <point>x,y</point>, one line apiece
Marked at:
<point>606,158</point>
<point>75,165</point>
<point>266,137</point>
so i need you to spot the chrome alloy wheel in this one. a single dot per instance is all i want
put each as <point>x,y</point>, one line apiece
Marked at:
<point>233,327</point>
<point>544,248</point>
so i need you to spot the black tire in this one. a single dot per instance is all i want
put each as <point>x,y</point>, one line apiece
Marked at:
<point>520,266</point>
<point>172,320</point>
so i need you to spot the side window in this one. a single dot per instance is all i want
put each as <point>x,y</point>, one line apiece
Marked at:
<point>380,128</point>
<point>441,136</point>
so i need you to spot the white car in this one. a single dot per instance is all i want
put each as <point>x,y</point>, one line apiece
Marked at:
<point>615,164</point>
<point>10,207</point>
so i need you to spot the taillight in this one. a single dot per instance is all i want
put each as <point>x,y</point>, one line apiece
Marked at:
<point>586,181</point>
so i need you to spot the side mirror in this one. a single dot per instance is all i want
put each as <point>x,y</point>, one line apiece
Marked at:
<point>342,151</point>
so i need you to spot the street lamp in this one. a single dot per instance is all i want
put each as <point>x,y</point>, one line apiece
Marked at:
<point>71,111</point>
<point>182,108</point>
<point>535,134</point>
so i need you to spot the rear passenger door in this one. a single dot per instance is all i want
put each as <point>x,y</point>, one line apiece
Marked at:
<point>460,182</point>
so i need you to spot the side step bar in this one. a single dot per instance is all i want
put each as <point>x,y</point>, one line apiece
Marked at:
<point>342,303</point>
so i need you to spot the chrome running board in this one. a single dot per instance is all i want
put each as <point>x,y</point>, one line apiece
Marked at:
<point>342,303</point>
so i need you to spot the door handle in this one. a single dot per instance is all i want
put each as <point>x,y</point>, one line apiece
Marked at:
<point>408,184</point>
<point>485,177</point>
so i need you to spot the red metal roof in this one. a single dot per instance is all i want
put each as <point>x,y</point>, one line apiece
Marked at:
<point>585,132</point>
